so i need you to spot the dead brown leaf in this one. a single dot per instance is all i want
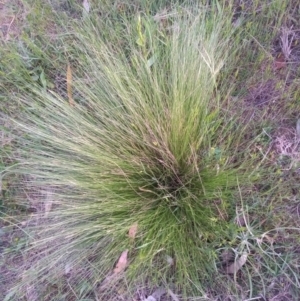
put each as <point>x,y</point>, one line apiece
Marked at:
<point>69,85</point>
<point>133,230</point>
<point>279,62</point>
<point>122,262</point>
<point>237,265</point>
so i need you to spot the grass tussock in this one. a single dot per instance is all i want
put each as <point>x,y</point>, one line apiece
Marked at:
<point>145,136</point>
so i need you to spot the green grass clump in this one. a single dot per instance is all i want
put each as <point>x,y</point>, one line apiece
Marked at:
<point>149,136</point>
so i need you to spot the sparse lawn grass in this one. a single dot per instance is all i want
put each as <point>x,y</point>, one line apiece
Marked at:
<point>150,150</point>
